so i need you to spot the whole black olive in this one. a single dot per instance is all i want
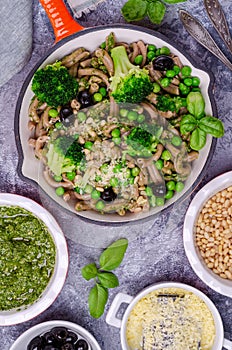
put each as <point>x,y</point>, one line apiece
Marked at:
<point>81,345</point>
<point>159,190</point>
<point>71,337</point>
<point>65,112</point>
<point>85,98</point>
<point>35,344</point>
<point>108,195</point>
<point>60,334</point>
<point>163,62</point>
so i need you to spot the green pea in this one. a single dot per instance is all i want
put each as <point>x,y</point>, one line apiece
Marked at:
<point>171,185</point>
<point>157,53</point>
<point>117,168</point>
<point>104,168</point>
<point>150,55</point>
<point>53,113</point>
<point>152,201</point>
<point>159,164</point>
<point>156,88</point>
<point>132,115</point>
<point>88,145</point>
<point>151,47</point>
<point>186,71</point>
<point>88,189</point>
<point>141,118</point>
<point>179,186</point>
<point>195,81</point>
<point>131,181</point>
<point>149,191</point>
<point>123,112</point>
<point>176,69</point>
<point>184,89</point>
<point>176,140</point>
<point>57,178</point>
<point>95,194</point>
<point>60,191</point>
<point>170,73</point>
<point>97,97</point>
<point>100,205</point>
<point>165,82</point>
<point>165,50</point>
<point>188,81</point>
<point>128,173</point>
<point>166,155</point>
<point>115,133</point>
<point>103,91</point>
<point>71,175</point>
<point>138,59</point>
<point>114,182</point>
<point>116,140</point>
<point>135,171</point>
<point>169,194</point>
<point>159,201</point>
<point>81,116</point>
<point>59,125</point>
<point>98,178</point>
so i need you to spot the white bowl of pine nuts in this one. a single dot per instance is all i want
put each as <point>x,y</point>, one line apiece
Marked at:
<point>208,234</point>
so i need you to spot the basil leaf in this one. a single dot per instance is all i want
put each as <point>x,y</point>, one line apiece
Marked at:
<point>173,1</point>
<point>108,279</point>
<point>195,104</point>
<point>97,300</point>
<point>89,271</point>
<point>212,125</point>
<point>113,255</point>
<point>187,124</point>
<point>134,10</point>
<point>198,139</point>
<point>156,11</point>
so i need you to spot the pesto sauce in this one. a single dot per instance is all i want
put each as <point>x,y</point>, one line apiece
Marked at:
<point>27,257</point>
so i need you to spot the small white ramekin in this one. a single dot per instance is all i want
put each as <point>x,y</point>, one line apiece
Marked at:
<point>122,298</point>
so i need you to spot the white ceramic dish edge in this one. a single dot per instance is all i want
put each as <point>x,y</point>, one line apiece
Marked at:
<point>56,283</point>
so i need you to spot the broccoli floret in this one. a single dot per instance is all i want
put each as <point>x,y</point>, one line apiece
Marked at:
<point>167,103</point>
<point>64,155</point>
<point>141,141</point>
<point>130,83</point>
<point>54,85</point>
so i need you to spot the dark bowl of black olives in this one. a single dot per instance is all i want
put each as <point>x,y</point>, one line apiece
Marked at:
<point>56,335</point>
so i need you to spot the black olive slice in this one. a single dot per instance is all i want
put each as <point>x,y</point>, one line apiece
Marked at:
<point>60,334</point>
<point>108,195</point>
<point>72,337</point>
<point>81,345</point>
<point>35,344</point>
<point>163,62</point>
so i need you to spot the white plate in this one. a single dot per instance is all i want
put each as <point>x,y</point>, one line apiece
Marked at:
<point>24,339</point>
<point>61,267</point>
<point>215,282</point>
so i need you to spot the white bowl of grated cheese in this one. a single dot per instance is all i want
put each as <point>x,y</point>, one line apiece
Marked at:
<point>208,233</point>
<point>168,315</point>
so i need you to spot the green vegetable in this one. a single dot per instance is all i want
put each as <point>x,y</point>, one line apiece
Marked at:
<point>130,83</point>
<point>167,103</point>
<point>109,260</point>
<point>116,133</point>
<point>140,140</point>
<point>186,71</point>
<point>150,55</point>
<point>135,171</point>
<point>211,125</point>
<point>159,164</point>
<point>138,59</point>
<point>135,10</point>
<point>100,205</point>
<point>169,194</point>
<point>95,194</point>
<point>171,185</point>
<point>195,104</point>
<point>53,113</point>
<point>159,201</point>
<point>54,85</point>
<point>60,191</point>
<point>198,139</point>
<point>179,186</point>
<point>188,124</point>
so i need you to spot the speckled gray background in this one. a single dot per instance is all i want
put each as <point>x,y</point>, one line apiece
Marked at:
<point>156,251</point>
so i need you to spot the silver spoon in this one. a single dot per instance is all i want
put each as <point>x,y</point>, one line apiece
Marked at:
<point>198,32</point>
<point>217,16</point>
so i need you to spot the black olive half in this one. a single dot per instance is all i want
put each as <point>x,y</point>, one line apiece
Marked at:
<point>85,99</point>
<point>82,345</point>
<point>108,195</point>
<point>163,62</point>
<point>159,190</point>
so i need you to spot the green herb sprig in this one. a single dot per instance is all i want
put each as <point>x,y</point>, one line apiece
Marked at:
<point>109,260</point>
<point>197,124</point>
<point>135,10</point>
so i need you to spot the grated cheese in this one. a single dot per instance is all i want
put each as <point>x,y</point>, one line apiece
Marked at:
<point>170,319</point>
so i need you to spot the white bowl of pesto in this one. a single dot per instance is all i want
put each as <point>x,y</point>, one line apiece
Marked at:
<point>168,315</point>
<point>33,259</point>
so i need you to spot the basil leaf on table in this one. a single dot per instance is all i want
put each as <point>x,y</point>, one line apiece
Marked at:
<point>98,297</point>
<point>89,271</point>
<point>134,10</point>
<point>156,11</point>
<point>187,124</point>
<point>198,139</point>
<point>211,125</point>
<point>108,279</point>
<point>195,104</point>
<point>113,255</point>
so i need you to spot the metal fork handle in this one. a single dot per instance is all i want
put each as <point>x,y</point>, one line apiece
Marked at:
<point>198,32</point>
<point>217,17</point>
